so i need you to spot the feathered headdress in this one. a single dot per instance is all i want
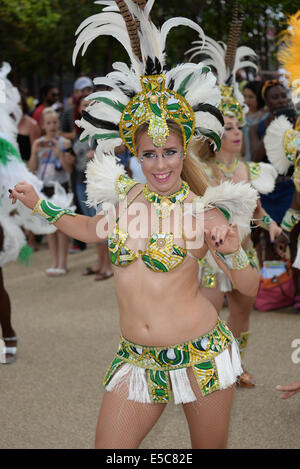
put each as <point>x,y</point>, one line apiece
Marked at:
<point>10,111</point>
<point>145,92</point>
<point>227,60</point>
<point>289,54</point>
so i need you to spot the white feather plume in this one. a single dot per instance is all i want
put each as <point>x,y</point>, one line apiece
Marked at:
<point>265,182</point>
<point>239,200</point>
<point>273,141</point>
<point>10,111</point>
<point>101,175</point>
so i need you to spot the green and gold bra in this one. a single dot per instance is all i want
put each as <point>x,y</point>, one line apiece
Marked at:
<point>161,254</point>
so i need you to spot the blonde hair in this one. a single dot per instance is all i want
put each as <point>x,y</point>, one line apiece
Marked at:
<point>204,153</point>
<point>46,112</point>
<point>191,172</point>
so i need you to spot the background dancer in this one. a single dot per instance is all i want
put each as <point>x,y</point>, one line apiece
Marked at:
<point>226,164</point>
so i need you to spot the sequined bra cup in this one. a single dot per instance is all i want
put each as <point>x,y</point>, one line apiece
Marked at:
<point>161,254</point>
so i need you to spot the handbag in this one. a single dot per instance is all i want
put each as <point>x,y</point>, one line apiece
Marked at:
<point>276,286</point>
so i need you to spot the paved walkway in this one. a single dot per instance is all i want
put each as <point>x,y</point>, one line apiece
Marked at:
<point>50,397</point>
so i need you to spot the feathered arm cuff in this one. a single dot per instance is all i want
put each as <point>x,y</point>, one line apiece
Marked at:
<point>277,145</point>
<point>262,176</point>
<point>238,200</point>
<point>106,179</point>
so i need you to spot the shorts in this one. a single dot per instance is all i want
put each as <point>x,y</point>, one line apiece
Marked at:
<point>158,374</point>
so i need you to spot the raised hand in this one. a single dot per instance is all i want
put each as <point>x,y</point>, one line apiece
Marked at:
<point>223,238</point>
<point>25,193</point>
<point>281,243</point>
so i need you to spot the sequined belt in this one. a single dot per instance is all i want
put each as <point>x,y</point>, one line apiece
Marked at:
<point>158,363</point>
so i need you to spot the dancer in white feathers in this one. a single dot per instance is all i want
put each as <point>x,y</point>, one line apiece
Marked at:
<point>226,164</point>
<point>157,113</point>
<point>13,243</point>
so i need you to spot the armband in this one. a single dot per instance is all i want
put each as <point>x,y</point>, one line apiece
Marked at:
<point>290,219</point>
<point>50,212</point>
<point>265,222</point>
<point>237,260</point>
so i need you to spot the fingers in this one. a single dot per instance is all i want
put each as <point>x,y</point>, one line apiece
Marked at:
<point>19,191</point>
<point>289,390</point>
<point>218,234</point>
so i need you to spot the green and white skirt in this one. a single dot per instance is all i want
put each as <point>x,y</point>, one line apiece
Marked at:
<point>156,374</point>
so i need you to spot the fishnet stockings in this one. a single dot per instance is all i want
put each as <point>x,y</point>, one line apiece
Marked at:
<point>208,417</point>
<point>123,424</point>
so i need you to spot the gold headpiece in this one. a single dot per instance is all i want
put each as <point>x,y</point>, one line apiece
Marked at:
<point>155,105</point>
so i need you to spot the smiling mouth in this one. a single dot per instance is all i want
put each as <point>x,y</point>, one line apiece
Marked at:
<point>162,177</point>
<point>237,142</point>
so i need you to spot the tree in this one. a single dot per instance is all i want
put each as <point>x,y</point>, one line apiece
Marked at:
<point>38,36</point>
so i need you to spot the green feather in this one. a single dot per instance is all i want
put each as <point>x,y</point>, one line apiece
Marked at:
<point>25,255</point>
<point>182,87</point>
<point>7,150</point>
<point>115,104</point>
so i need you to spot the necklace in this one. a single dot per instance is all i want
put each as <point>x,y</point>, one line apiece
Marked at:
<point>228,169</point>
<point>164,204</point>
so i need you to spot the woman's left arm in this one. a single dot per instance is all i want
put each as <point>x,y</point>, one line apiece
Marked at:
<point>262,219</point>
<point>223,242</point>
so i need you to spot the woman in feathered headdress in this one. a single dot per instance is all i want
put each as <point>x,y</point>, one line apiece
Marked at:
<point>226,164</point>
<point>159,230</point>
<point>13,243</point>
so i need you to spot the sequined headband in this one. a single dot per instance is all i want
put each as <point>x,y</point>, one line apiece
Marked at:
<point>155,105</point>
<point>229,105</point>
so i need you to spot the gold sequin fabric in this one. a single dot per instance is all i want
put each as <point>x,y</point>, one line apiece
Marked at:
<point>209,277</point>
<point>199,354</point>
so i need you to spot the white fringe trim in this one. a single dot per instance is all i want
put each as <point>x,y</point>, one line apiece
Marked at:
<point>135,378</point>
<point>228,368</point>
<point>181,387</point>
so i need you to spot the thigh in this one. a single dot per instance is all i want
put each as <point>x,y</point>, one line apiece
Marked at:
<point>209,417</point>
<point>123,424</point>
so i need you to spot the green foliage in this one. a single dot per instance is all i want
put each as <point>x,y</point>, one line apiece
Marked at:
<point>38,36</point>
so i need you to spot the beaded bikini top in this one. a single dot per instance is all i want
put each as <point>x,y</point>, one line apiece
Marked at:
<point>161,254</point>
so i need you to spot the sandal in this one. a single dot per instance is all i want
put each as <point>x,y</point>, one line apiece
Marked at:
<point>245,380</point>
<point>90,271</point>
<point>9,351</point>
<point>103,276</point>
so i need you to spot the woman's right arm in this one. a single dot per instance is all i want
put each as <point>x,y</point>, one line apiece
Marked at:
<point>86,229</point>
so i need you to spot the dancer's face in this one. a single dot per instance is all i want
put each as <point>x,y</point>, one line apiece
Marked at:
<point>161,166</point>
<point>276,98</point>
<point>250,99</point>
<point>233,138</point>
